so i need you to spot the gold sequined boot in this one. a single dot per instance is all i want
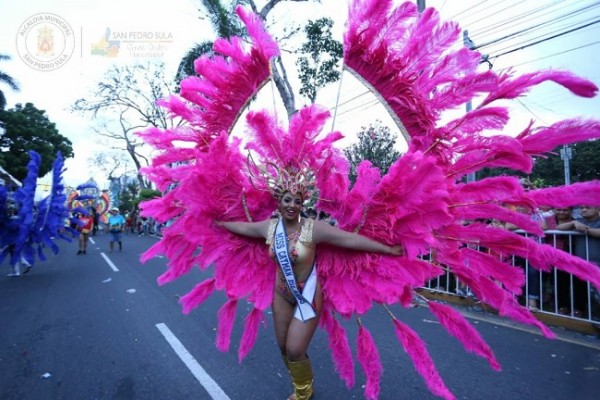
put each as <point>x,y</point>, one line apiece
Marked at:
<point>302,379</point>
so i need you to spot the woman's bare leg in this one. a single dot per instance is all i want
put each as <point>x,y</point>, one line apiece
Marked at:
<point>299,334</point>
<point>283,312</point>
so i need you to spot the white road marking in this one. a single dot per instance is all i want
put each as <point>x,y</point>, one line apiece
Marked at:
<point>213,389</point>
<point>92,241</point>
<point>110,263</point>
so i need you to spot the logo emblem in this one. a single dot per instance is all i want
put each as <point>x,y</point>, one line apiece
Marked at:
<point>45,42</point>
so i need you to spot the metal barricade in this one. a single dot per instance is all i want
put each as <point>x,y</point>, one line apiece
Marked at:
<point>552,292</point>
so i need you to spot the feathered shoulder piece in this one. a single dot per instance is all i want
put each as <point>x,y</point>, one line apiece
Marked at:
<point>207,105</point>
<point>211,102</point>
<point>415,64</point>
<point>233,67</point>
<point>418,79</point>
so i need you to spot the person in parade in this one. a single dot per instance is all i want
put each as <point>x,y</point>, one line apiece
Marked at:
<point>28,226</point>
<point>298,299</point>
<point>115,226</point>
<point>84,227</point>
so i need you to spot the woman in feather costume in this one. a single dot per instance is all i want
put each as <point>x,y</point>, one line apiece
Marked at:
<point>421,203</point>
<point>29,227</point>
<point>298,297</point>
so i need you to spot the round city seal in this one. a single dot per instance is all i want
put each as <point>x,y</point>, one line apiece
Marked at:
<point>45,41</point>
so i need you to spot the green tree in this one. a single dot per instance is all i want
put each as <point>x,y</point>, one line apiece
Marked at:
<point>225,24</point>
<point>129,192</point>
<point>7,80</point>
<point>146,194</point>
<point>550,170</point>
<point>376,144</point>
<point>320,65</point>
<point>27,128</point>
<point>491,172</point>
<point>584,164</point>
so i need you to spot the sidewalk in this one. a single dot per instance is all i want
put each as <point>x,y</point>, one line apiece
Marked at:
<point>565,328</point>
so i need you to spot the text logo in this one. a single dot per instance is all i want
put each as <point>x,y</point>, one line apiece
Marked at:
<point>45,41</point>
<point>135,44</point>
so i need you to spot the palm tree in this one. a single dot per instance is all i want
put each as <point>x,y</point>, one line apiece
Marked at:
<point>225,25</point>
<point>8,80</point>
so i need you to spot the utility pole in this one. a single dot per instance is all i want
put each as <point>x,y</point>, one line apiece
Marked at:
<point>566,154</point>
<point>468,43</point>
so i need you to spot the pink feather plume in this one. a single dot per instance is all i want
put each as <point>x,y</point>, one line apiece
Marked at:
<point>198,295</point>
<point>461,329</point>
<point>340,348</point>
<point>567,196</point>
<point>250,334</point>
<point>368,357</point>
<point>226,320</point>
<point>417,351</point>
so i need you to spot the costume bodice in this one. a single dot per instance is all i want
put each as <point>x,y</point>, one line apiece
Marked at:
<point>301,248</point>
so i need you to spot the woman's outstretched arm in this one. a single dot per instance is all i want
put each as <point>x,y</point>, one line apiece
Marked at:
<point>249,229</point>
<point>325,233</point>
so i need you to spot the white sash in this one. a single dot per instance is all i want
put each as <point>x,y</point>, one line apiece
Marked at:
<point>304,309</point>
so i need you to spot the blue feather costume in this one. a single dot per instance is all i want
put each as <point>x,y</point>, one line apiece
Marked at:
<point>25,233</point>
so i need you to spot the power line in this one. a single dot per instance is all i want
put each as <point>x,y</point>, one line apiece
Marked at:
<point>531,112</point>
<point>559,53</point>
<point>545,39</point>
<point>537,26</point>
<point>353,98</point>
<point>531,39</point>
<point>489,30</point>
<point>362,106</point>
<point>470,9</point>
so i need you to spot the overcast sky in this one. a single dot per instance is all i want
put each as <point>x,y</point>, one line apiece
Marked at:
<point>170,28</point>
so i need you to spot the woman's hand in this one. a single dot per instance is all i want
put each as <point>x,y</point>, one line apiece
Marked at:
<point>397,250</point>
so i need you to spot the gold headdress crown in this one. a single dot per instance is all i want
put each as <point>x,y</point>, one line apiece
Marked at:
<point>279,180</point>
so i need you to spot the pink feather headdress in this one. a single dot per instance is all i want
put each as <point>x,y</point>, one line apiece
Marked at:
<point>280,180</point>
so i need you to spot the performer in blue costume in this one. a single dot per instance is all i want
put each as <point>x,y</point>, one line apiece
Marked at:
<point>27,228</point>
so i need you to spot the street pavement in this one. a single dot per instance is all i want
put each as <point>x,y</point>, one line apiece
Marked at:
<point>98,326</point>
